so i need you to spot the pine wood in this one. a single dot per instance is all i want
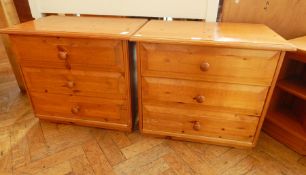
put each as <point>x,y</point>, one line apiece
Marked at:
<point>233,98</point>
<point>287,115</point>
<point>75,73</point>
<point>269,97</point>
<point>109,85</point>
<point>90,109</point>
<point>230,65</point>
<point>237,35</point>
<point>79,27</point>
<point>205,81</point>
<point>171,119</point>
<point>81,53</point>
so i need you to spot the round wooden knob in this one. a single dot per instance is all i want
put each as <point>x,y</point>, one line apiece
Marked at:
<point>196,126</point>
<point>75,109</point>
<point>199,98</point>
<point>204,66</point>
<point>63,55</point>
<point>70,84</point>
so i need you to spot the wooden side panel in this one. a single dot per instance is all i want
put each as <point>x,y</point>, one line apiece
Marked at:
<point>225,64</point>
<point>269,97</point>
<point>109,85</point>
<point>80,53</point>
<point>243,99</point>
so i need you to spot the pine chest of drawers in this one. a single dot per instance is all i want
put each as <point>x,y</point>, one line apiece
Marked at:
<point>206,82</point>
<point>76,69</point>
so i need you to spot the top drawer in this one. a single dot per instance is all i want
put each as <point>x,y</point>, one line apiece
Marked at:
<point>208,63</point>
<point>57,52</point>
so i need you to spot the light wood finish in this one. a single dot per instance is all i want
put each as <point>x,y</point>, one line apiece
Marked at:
<point>82,79</point>
<point>269,96</point>
<point>31,146</point>
<point>82,108</point>
<point>277,14</point>
<point>240,99</point>
<point>286,117</point>
<point>206,82</point>
<point>199,123</point>
<point>76,82</point>
<point>225,64</point>
<point>8,13</point>
<point>60,52</point>
<point>237,35</point>
<point>80,27</point>
<point>9,17</point>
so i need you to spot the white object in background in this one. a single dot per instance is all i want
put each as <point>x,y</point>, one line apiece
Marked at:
<point>190,9</point>
<point>212,10</point>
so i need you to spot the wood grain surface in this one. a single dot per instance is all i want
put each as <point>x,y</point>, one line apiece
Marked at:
<point>237,35</point>
<point>71,26</point>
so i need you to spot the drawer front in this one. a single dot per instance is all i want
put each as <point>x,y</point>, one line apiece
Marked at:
<point>69,53</point>
<point>235,98</point>
<point>208,63</point>
<point>84,108</point>
<point>110,85</point>
<point>179,121</point>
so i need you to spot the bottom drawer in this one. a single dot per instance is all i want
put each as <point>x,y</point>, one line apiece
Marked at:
<point>81,108</point>
<point>198,125</point>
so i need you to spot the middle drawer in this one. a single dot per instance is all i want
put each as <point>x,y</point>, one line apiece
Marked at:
<point>77,82</point>
<point>234,98</point>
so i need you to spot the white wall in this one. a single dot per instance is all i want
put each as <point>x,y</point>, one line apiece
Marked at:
<point>195,9</point>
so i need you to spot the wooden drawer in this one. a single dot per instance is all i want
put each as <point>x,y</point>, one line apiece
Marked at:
<point>83,108</point>
<point>208,63</point>
<point>198,124</point>
<point>234,98</point>
<point>58,52</point>
<point>76,82</point>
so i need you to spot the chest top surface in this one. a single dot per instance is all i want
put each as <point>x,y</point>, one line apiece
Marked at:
<point>71,26</point>
<point>243,35</point>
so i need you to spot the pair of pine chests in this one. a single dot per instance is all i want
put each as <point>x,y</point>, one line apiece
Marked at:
<point>205,82</point>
